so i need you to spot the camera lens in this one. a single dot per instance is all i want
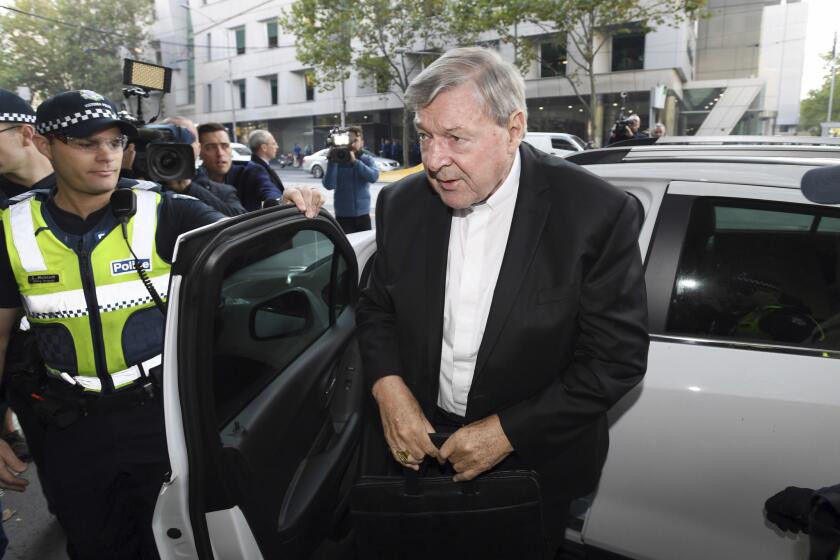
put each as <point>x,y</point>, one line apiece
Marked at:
<point>170,162</point>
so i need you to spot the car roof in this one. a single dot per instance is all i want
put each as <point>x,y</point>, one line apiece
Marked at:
<point>762,161</point>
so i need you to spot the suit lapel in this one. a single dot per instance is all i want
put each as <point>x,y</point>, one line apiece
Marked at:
<point>529,216</point>
<point>436,233</point>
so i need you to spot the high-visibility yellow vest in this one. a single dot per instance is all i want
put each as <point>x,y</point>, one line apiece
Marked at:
<point>95,320</point>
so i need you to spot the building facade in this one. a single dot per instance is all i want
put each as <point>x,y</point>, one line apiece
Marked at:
<point>234,64</point>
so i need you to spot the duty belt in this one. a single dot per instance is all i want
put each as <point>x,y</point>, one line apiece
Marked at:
<point>121,378</point>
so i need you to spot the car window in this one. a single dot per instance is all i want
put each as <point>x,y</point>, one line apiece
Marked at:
<point>242,150</point>
<point>274,303</point>
<point>759,271</point>
<point>560,144</point>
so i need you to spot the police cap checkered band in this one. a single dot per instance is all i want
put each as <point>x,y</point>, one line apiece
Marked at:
<point>15,109</point>
<point>79,114</point>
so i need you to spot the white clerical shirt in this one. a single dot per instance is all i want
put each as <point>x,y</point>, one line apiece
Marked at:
<point>477,241</point>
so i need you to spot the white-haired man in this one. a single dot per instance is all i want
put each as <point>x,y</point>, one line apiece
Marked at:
<point>506,303</point>
<point>263,150</point>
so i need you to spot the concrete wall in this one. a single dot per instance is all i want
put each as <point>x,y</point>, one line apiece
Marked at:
<point>783,31</point>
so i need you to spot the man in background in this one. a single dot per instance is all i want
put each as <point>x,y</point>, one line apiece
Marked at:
<point>252,183</point>
<point>351,182</point>
<point>263,150</point>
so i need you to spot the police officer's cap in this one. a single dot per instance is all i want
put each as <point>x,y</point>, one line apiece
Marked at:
<point>79,114</point>
<point>14,109</point>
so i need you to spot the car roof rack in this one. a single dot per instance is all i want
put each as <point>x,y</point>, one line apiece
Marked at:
<point>782,149</point>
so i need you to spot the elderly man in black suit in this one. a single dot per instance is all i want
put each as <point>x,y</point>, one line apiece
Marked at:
<point>263,150</point>
<point>507,302</point>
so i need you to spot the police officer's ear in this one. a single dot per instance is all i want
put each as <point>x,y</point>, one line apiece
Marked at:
<point>43,145</point>
<point>28,134</point>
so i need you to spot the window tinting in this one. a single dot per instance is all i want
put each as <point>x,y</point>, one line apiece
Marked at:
<point>273,304</point>
<point>560,144</point>
<point>761,272</point>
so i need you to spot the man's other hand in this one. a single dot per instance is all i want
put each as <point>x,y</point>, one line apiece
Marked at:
<point>406,427</point>
<point>476,448</point>
<point>10,467</point>
<point>307,199</point>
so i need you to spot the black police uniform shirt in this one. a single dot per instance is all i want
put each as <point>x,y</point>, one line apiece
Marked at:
<point>178,214</point>
<point>9,188</point>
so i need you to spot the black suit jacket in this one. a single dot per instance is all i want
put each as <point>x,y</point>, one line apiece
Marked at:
<point>275,178</point>
<point>567,332</point>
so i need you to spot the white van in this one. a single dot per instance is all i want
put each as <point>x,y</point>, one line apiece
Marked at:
<point>557,143</point>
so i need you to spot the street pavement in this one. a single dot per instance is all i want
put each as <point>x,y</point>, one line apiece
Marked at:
<point>33,532</point>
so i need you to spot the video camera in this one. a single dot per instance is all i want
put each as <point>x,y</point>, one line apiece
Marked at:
<point>339,142</point>
<point>164,152</point>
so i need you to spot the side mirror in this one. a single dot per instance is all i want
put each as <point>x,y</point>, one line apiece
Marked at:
<point>288,314</point>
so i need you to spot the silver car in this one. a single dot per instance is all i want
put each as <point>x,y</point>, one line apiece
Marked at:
<point>741,397</point>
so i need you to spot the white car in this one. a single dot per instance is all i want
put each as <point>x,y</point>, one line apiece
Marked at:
<point>557,143</point>
<point>317,163</point>
<point>263,388</point>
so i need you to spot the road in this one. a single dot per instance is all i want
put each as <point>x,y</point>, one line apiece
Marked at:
<point>295,176</point>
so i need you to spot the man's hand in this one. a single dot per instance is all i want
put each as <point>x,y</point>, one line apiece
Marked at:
<point>476,448</point>
<point>307,200</point>
<point>10,467</point>
<point>352,156</point>
<point>406,427</point>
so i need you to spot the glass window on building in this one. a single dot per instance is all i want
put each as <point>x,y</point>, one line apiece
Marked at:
<point>240,88</point>
<point>272,84</point>
<point>628,49</point>
<point>209,47</point>
<point>552,59</point>
<point>309,81</point>
<point>240,40</point>
<point>273,35</point>
<point>208,99</point>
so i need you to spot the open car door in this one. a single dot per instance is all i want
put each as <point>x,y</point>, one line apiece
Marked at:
<point>262,389</point>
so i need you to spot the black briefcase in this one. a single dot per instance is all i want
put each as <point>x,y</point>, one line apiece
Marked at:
<point>427,515</point>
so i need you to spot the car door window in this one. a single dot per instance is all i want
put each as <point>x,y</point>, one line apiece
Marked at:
<point>560,144</point>
<point>274,303</point>
<point>759,271</point>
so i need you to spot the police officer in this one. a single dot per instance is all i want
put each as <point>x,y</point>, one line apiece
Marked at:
<point>72,259</point>
<point>22,166</point>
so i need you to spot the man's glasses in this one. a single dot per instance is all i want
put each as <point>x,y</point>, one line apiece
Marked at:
<point>87,145</point>
<point>10,128</point>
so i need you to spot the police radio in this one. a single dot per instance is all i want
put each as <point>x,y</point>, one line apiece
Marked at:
<point>124,206</point>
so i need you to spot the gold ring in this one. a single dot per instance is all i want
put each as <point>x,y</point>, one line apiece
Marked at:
<point>402,455</point>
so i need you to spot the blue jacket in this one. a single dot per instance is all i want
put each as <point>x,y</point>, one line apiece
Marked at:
<point>252,183</point>
<point>351,183</point>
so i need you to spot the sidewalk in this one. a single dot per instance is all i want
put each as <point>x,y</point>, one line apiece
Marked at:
<point>33,532</point>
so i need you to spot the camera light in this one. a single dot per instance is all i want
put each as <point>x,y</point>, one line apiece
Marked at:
<point>147,76</point>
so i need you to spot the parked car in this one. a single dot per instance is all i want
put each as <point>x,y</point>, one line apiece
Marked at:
<point>317,163</point>
<point>263,386</point>
<point>557,143</point>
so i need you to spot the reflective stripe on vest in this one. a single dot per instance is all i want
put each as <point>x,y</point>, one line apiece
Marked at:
<point>57,286</point>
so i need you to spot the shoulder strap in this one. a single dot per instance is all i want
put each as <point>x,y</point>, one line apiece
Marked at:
<point>143,236</point>
<point>23,236</point>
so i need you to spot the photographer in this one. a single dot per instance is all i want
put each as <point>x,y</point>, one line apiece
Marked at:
<point>350,173</point>
<point>627,129</point>
<point>219,196</point>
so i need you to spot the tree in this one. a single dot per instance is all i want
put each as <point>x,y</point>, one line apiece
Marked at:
<point>814,109</point>
<point>53,46</point>
<point>580,29</point>
<point>387,41</point>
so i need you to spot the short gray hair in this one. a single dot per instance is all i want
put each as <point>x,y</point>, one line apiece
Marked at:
<point>257,138</point>
<point>499,86</point>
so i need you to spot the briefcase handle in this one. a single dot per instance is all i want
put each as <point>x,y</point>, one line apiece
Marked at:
<point>412,478</point>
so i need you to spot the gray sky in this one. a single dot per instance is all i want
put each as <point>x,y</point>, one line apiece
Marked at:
<point>823,22</point>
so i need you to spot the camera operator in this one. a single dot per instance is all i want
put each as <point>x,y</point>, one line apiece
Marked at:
<point>627,129</point>
<point>218,196</point>
<point>350,172</point>
<point>251,181</point>
<point>263,150</point>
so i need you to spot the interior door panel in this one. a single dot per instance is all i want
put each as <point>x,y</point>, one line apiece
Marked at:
<point>269,377</point>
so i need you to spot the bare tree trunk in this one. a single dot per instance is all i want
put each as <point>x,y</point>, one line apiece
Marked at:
<point>405,146</point>
<point>593,100</point>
